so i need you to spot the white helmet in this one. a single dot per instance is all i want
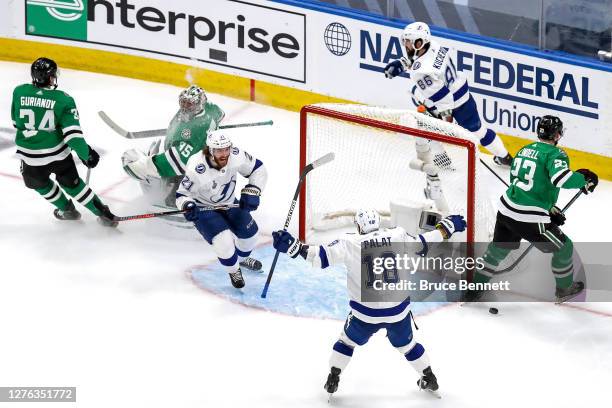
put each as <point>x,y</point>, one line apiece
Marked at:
<point>367,220</point>
<point>416,31</point>
<point>191,101</point>
<point>218,139</point>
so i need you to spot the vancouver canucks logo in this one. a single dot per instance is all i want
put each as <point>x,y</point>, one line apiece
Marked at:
<point>66,10</point>
<point>186,133</point>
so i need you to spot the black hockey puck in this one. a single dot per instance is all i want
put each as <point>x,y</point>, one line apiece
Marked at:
<point>493,310</point>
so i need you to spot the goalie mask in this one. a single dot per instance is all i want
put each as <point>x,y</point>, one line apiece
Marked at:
<point>191,102</point>
<point>367,220</point>
<point>412,33</point>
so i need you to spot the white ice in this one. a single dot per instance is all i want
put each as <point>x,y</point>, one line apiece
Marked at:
<point>114,313</point>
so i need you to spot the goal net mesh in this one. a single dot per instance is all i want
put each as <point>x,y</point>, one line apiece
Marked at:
<point>372,166</point>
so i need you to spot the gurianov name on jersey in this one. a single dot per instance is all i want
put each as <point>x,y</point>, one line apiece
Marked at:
<point>237,34</point>
<point>510,89</point>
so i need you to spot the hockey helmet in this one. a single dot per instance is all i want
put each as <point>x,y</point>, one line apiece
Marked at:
<point>549,126</point>
<point>218,139</point>
<point>416,31</point>
<point>367,220</point>
<point>192,100</point>
<point>42,70</point>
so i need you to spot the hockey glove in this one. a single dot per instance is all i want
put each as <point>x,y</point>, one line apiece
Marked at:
<point>556,216</point>
<point>451,224</point>
<point>92,160</point>
<point>394,68</point>
<point>591,180</point>
<point>191,211</point>
<point>249,197</point>
<point>284,242</point>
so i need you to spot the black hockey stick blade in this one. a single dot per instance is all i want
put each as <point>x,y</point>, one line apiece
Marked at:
<point>317,163</point>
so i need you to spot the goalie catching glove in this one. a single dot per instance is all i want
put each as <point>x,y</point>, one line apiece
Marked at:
<point>138,165</point>
<point>284,242</point>
<point>451,224</point>
<point>249,197</point>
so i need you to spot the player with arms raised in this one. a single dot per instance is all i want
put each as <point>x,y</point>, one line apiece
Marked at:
<point>48,129</point>
<point>443,90</point>
<point>527,209</point>
<point>366,318</point>
<point>210,181</point>
<point>185,137</point>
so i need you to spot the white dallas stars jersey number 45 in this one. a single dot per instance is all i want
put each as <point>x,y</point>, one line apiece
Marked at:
<point>209,186</point>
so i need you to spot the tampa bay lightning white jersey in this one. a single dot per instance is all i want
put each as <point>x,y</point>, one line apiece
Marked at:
<point>436,80</point>
<point>347,251</point>
<point>209,186</point>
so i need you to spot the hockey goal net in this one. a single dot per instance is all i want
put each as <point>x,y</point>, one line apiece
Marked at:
<point>374,148</point>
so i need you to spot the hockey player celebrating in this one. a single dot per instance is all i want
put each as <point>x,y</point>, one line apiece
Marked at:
<point>185,137</point>
<point>442,89</point>
<point>210,181</point>
<point>527,209</point>
<point>48,130</point>
<point>366,318</point>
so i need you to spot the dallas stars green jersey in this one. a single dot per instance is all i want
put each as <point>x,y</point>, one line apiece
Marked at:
<point>184,139</point>
<point>538,172</point>
<point>47,123</point>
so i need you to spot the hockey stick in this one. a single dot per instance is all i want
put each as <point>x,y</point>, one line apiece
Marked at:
<point>494,173</point>
<point>317,163</point>
<point>530,247</point>
<point>88,176</point>
<point>165,213</point>
<point>162,132</point>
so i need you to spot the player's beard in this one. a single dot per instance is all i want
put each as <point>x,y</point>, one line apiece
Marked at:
<point>221,161</point>
<point>410,53</point>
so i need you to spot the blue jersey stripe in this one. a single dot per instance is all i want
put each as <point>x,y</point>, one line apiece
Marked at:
<point>460,92</point>
<point>439,95</point>
<point>323,256</point>
<point>383,312</point>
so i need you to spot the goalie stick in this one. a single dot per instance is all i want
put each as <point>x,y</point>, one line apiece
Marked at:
<point>162,132</point>
<point>317,163</point>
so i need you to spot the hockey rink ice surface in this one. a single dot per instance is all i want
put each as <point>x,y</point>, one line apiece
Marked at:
<point>141,317</point>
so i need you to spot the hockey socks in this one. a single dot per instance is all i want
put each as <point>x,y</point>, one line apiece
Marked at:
<point>562,264</point>
<point>84,196</point>
<point>53,194</point>
<point>492,258</point>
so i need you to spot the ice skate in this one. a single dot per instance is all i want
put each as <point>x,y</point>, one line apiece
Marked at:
<point>565,294</point>
<point>68,213</point>
<point>503,161</point>
<point>251,263</point>
<point>333,379</point>
<point>107,218</point>
<point>237,279</point>
<point>428,382</point>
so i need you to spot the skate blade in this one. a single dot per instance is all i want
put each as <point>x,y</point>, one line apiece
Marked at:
<point>565,299</point>
<point>435,394</point>
<point>329,398</point>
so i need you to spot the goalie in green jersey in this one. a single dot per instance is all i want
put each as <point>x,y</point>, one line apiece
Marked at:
<point>527,210</point>
<point>186,135</point>
<point>48,130</point>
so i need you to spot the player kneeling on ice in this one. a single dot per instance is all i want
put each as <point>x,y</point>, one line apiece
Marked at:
<point>185,136</point>
<point>210,181</point>
<point>527,209</point>
<point>441,88</point>
<point>366,318</point>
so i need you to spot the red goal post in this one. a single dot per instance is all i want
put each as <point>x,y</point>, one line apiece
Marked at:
<point>344,122</point>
